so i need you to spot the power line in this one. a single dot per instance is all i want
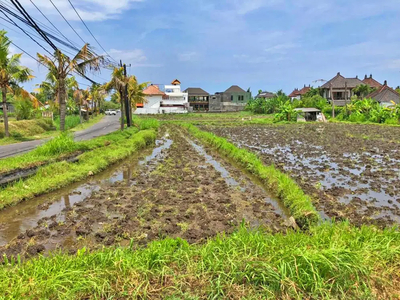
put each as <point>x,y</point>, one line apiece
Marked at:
<point>25,32</point>
<point>67,22</point>
<point>32,22</point>
<point>27,23</point>
<point>51,23</point>
<point>89,30</point>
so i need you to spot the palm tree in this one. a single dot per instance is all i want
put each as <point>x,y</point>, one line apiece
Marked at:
<point>98,94</point>
<point>118,83</point>
<point>135,92</point>
<point>11,74</point>
<point>61,66</point>
<point>78,96</point>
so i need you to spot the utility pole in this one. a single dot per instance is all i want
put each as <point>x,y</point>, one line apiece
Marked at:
<point>333,100</point>
<point>127,108</point>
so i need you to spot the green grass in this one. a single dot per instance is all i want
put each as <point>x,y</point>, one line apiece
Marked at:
<point>332,261</point>
<point>25,130</point>
<point>59,174</point>
<point>71,121</point>
<point>285,188</point>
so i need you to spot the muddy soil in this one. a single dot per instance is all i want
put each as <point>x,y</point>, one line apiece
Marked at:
<point>186,192</point>
<point>352,171</point>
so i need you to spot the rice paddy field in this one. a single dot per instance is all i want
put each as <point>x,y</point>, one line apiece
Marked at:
<point>218,207</point>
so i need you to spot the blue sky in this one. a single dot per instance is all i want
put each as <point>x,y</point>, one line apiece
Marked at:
<point>213,44</point>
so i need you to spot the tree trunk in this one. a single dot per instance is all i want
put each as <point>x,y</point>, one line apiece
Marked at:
<point>4,92</point>
<point>95,107</point>
<point>122,110</point>
<point>80,111</point>
<point>63,106</point>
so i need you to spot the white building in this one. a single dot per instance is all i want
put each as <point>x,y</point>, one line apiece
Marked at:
<point>173,100</point>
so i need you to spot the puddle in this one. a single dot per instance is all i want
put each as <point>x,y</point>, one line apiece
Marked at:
<point>279,208</point>
<point>17,219</point>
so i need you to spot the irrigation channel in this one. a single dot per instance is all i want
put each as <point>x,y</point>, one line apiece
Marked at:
<point>177,189</point>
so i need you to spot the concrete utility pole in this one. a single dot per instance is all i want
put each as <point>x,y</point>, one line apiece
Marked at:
<point>126,101</point>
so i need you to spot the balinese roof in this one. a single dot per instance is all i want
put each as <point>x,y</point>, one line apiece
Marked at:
<point>385,94</point>
<point>153,90</point>
<point>371,82</point>
<point>307,109</point>
<point>235,89</point>
<point>196,92</point>
<point>301,92</point>
<point>339,82</point>
<point>176,82</point>
<point>266,95</point>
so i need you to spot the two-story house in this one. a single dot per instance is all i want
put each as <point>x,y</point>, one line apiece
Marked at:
<point>233,99</point>
<point>198,99</point>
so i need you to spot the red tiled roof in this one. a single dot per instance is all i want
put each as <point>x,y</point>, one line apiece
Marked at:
<point>385,94</point>
<point>153,90</point>
<point>301,92</point>
<point>372,82</point>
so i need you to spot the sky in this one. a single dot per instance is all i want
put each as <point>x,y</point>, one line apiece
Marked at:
<point>213,44</point>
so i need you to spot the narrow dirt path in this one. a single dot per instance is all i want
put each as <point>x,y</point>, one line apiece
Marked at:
<point>188,194</point>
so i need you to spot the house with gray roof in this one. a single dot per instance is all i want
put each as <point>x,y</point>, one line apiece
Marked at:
<point>385,95</point>
<point>340,89</point>
<point>265,95</point>
<point>198,99</point>
<point>233,99</point>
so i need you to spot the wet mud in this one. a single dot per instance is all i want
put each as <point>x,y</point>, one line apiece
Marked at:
<point>351,171</point>
<point>178,189</point>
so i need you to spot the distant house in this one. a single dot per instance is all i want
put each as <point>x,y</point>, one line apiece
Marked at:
<point>10,107</point>
<point>171,100</point>
<point>298,94</point>
<point>385,95</point>
<point>198,99</point>
<point>371,82</point>
<point>154,96</point>
<point>233,99</point>
<point>342,89</point>
<point>265,95</point>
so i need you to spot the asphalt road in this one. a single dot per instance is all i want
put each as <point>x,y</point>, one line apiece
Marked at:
<point>106,125</point>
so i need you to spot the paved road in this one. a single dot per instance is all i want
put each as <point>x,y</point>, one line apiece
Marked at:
<point>106,125</point>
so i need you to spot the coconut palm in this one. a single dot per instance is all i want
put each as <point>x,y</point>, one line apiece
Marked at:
<point>118,83</point>
<point>11,74</point>
<point>135,92</point>
<point>62,66</point>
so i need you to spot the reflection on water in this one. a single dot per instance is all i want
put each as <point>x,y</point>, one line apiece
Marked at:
<point>17,219</point>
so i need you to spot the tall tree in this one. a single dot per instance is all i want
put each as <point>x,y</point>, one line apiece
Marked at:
<point>118,83</point>
<point>61,66</point>
<point>11,74</point>
<point>135,92</point>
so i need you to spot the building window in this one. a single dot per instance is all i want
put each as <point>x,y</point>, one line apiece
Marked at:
<point>241,98</point>
<point>231,97</point>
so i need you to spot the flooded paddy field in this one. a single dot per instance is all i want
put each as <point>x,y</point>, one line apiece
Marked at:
<point>351,171</point>
<point>177,189</point>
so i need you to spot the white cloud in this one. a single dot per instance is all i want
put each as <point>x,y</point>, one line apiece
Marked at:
<point>188,56</point>
<point>280,48</point>
<point>89,10</point>
<point>135,57</point>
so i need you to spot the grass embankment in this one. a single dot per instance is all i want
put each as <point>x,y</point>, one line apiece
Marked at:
<point>285,188</point>
<point>333,261</point>
<point>100,153</point>
<point>26,130</point>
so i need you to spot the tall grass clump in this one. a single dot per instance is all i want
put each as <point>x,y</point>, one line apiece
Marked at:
<point>285,188</point>
<point>64,143</point>
<point>71,121</point>
<point>333,261</point>
<point>144,123</point>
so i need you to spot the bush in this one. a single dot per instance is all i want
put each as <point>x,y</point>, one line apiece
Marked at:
<point>23,109</point>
